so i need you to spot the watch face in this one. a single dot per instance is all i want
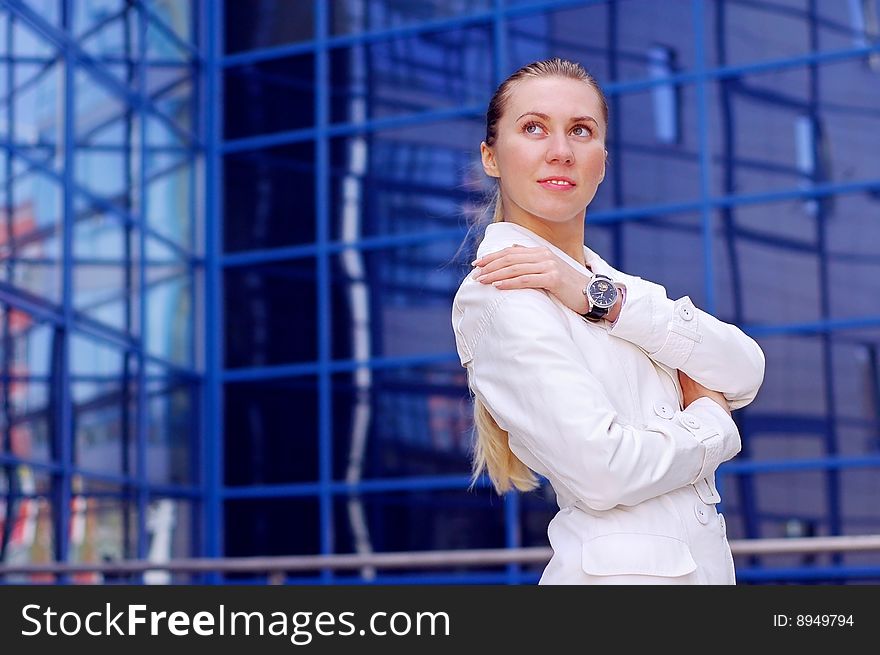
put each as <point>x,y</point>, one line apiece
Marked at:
<point>602,293</point>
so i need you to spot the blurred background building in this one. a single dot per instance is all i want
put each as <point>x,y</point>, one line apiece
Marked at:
<point>230,233</point>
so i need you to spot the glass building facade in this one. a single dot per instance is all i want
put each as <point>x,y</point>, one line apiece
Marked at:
<point>101,253</point>
<point>230,233</point>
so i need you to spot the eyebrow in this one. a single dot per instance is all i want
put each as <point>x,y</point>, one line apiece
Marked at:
<point>547,118</point>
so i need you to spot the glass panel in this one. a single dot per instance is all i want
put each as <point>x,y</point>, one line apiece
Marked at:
<point>103,386</point>
<point>642,169</point>
<point>173,432</point>
<point>798,28</point>
<point>6,210</point>
<point>25,363</point>
<point>105,174</point>
<point>91,16</point>
<point>169,203</point>
<point>271,526</point>
<point>407,180</point>
<point>251,25</point>
<point>169,332</point>
<point>749,249</point>
<point>169,535</point>
<point>107,31</point>
<point>176,15</point>
<point>402,422</point>
<point>611,40</point>
<point>104,133</point>
<point>163,159</point>
<point>373,15</point>
<point>162,44</point>
<point>105,277</point>
<point>31,260</point>
<point>269,197</point>
<point>36,98</point>
<point>163,133</point>
<point>855,372</point>
<point>270,314</point>
<point>537,509</point>
<point>793,380</point>
<point>403,296</point>
<point>171,91</point>
<point>4,25</point>
<point>420,520</point>
<point>26,41</point>
<point>860,489</point>
<point>269,96</point>
<point>653,247</point>
<point>271,432</point>
<point>32,536</point>
<point>773,133</point>
<point>103,525</point>
<point>4,93</point>
<point>409,75</point>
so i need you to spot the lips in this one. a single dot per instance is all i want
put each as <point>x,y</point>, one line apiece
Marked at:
<point>557,182</point>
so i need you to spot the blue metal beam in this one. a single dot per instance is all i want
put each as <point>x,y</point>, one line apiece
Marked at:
<point>129,481</point>
<point>461,482</point>
<point>475,19</point>
<point>610,216</point>
<point>325,317</point>
<point>610,89</point>
<point>212,444</point>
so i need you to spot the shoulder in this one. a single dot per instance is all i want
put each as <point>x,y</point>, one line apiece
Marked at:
<point>512,314</point>
<point>477,299</point>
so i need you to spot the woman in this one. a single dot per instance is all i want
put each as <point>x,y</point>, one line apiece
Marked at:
<point>591,377</point>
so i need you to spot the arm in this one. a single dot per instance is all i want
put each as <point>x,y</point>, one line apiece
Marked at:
<point>537,385</point>
<point>716,354</point>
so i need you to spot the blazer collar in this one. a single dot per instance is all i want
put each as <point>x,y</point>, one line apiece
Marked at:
<point>503,234</point>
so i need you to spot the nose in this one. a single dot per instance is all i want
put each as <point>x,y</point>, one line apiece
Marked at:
<point>559,150</point>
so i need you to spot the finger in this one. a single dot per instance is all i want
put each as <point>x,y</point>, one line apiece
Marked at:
<point>480,261</point>
<point>508,262</point>
<point>510,255</point>
<point>528,281</point>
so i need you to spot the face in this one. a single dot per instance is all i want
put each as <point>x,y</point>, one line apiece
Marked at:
<point>549,154</point>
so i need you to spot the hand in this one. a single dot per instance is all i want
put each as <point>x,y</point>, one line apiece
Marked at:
<point>519,267</point>
<point>691,390</point>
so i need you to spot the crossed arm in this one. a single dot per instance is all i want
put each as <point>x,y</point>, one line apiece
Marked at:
<point>539,388</point>
<point>676,333</point>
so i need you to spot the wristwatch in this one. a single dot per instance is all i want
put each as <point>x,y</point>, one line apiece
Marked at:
<point>601,295</point>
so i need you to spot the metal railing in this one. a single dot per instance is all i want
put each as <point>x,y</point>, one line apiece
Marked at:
<point>419,560</point>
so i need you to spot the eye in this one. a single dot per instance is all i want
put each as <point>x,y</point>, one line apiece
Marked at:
<point>586,130</point>
<point>527,128</point>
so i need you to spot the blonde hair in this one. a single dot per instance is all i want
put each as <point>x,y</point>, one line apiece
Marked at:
<point>491,451</point>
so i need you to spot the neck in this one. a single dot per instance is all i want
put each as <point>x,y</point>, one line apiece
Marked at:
<point>567,236</point>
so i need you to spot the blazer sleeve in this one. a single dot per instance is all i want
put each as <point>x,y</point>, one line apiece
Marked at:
<point>534,380</point>
<point>718,355</point>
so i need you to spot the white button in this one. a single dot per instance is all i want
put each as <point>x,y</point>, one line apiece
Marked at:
<point>663,409</point>
<point>701,513</point>
<point>723,524</point>
<point>686,312</point>
<point>690,421</point>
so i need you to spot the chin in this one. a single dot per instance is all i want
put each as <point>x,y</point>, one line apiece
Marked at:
<point>559,214</point>
<point>563,209</point>
<point>550,217</point>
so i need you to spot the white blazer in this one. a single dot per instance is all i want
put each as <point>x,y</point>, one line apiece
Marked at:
<point>597,410</point>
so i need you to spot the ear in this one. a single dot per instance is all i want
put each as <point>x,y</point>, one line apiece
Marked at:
<point>604,165</point>
<point>490,165</point>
